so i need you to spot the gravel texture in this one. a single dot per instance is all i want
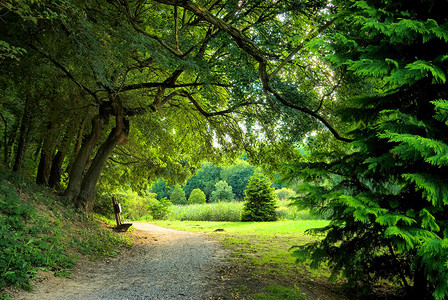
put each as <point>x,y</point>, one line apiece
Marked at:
<point>169,264</point>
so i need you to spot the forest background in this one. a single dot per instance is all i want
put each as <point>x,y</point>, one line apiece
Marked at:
<point>347,97</point>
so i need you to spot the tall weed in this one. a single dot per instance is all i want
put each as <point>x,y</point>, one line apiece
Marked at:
<point>231,212</point>
<point>221,211</point>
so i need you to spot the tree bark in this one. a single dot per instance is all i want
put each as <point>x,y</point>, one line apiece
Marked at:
<point>86,196</point>
<point>78,166</point>
<point>58,159</point>
<point>23,137</point>
<point>11,141</point>
<point>5,140</point>
<point>55,171</point>
<point>47,153</point>
<point>43,170</point>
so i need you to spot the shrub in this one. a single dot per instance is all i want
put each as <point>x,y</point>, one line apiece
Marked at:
<point>133,205</point>
<point>222,192</point>
<point>159,209</point>
<point>103,204</point>
<point>178,195</point>
<point>196,197</point>
<point>260,201</point>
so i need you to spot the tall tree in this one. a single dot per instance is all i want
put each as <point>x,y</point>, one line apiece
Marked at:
<point>386,193</point>
<point>171,64</point>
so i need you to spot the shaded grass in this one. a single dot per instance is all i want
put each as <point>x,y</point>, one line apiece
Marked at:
<point>38,231</point>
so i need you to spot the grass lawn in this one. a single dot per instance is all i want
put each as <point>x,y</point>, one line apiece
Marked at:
<point>262,266</point>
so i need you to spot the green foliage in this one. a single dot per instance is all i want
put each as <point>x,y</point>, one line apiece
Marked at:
<point>196,197</point>
<point>220,211</point>
<point>103,204</point>
<point>28,240</point>
<point>204,179</point>
<point>38,232</point>
<point>237,176</point>
<point>388,202</point>
<point>285,193</point>
<point>177,195</point>
<point>98,244</point>
<point>260,201</point>
<point>160,189</point>
<point>159,209</point>
<point>223,192</point>
<point>133,205</point>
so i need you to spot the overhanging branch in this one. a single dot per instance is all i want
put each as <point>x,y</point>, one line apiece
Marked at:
<point>212,114</point>
<point>253,50</point>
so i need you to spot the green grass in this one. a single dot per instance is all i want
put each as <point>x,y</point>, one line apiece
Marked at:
<point>40,232</point>
<point>278,292</point>
<point>264,249</point>
<point>260,229</point>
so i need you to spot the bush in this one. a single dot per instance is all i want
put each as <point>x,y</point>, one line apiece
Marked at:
<point>196,197</point>
<point>103,204</point>
<point>178,195</point>
<point>222,192</point>
<point>133,205</point>
<point>260,201</point>
<point>159,209</point>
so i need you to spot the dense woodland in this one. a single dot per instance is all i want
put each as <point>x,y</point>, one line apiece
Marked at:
<point>348,97</point>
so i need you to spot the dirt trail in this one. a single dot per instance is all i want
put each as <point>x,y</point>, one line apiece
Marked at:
<point>170,264</point>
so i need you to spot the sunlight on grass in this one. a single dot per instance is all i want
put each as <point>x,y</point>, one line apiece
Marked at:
<point>264,248</point>
<point>246,228</point>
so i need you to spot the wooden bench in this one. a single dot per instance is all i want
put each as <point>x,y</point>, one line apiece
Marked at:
<point>117,210</point>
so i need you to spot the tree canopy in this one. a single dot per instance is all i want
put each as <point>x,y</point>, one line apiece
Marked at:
<point>348,96</point>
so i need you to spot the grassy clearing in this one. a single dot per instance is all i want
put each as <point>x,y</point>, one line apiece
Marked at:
<point>40,232</point>
<point>260,251</point>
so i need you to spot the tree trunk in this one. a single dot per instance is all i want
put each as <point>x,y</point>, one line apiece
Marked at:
<point>78,166</point>
<point>5,141</point>
<point>55,171</point>
<point>51,139</point>
<point>43,170</point>
<point>23,137</point>
<point>58,159</point>
<point>11,141</point>
<point>86,196</point>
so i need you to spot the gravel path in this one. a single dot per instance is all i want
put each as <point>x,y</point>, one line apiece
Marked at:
<point>171,264</point>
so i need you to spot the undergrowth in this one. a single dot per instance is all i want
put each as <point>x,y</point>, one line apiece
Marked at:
<point>40,232</point>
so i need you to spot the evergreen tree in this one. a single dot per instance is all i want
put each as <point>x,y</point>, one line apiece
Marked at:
<point>196,197</point>
<point>223,192</point>
<point>177,196</point>
<point>387,193</point>
<point>260,201</point>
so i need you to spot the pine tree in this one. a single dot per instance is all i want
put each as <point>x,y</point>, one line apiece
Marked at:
<point>387,192</point>
<point>260,201</point>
